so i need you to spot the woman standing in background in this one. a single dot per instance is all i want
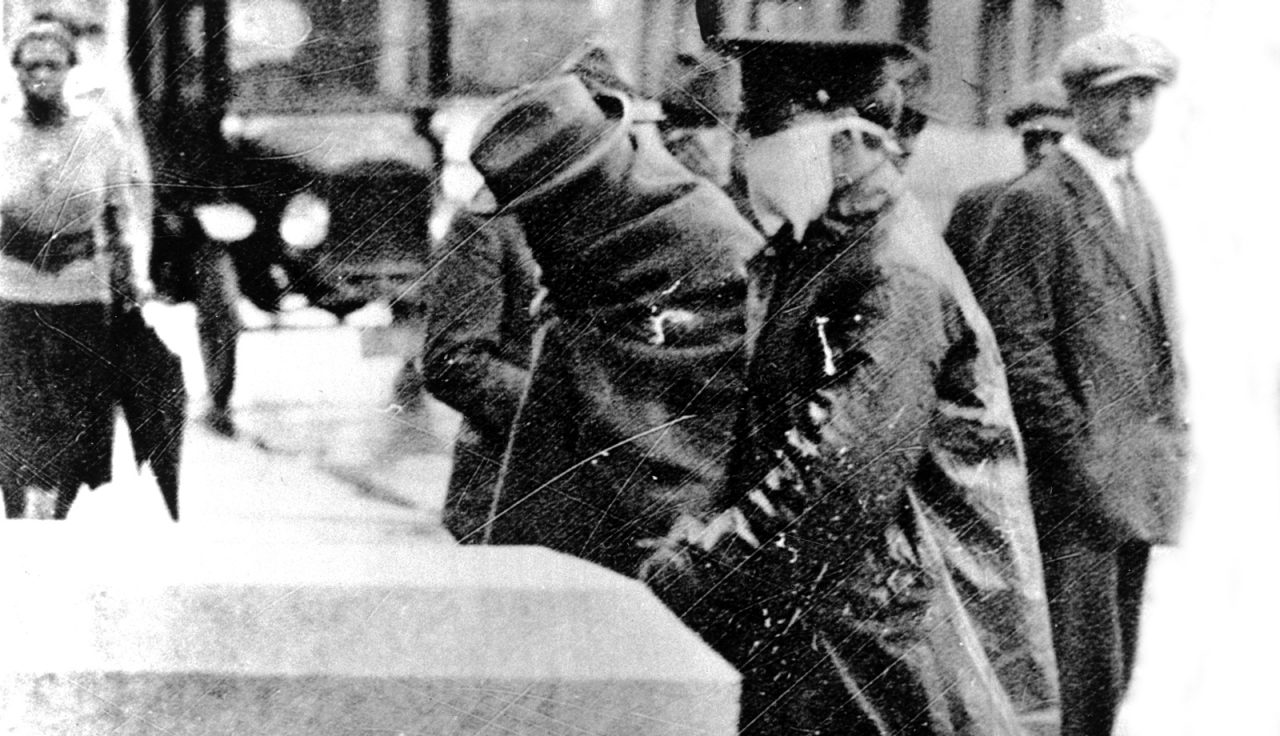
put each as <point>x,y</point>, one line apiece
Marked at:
<point>67,219</point>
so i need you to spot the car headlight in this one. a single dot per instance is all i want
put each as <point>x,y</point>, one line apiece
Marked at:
<point>225,221</point>
<point>305,221</point>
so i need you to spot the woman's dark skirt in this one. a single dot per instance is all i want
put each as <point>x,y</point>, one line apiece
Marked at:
<point>57,400</point>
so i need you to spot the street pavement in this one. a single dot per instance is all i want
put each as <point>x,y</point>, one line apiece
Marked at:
<point>321,443</point>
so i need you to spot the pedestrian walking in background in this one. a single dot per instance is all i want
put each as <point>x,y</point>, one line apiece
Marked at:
<point>874,570</point>
<point>476,354</point>
<point>70,255</point>
<point>218,324</point>
<point>1040,116</point>
<point>1079,289</point>
<point>636,370</point>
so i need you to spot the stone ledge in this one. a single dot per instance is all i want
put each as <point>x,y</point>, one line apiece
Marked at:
<point>215,634</point>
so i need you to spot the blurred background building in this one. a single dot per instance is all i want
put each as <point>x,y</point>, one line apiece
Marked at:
<point>354,85</point>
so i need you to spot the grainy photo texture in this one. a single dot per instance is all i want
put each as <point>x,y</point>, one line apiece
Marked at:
<point>760,367</point>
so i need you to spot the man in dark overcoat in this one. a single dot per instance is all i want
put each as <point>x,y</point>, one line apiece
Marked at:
<point>636,368</point>
<point>875,568</point>
<point>476,353</point>
<point>1079,290</point>
<point>1040,116</point>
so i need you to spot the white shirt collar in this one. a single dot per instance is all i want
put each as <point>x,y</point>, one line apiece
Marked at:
<point>1103,170</point>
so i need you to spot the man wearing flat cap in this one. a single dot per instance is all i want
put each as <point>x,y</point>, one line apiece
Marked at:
<point>1039,116</point>
<point>1079,290</point>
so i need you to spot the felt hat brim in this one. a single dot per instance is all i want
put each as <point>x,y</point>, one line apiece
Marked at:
<point>604,145</point>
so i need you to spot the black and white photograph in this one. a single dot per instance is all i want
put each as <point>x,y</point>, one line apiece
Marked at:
<point>639,368</point>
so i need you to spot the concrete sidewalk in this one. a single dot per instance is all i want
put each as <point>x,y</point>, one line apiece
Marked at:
<point>236,487</point>
<point>399,455</point>
<point>320,443</point>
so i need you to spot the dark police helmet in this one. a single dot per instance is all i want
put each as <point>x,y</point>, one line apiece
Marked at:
<point>782,77</point>
<point>786,73</point>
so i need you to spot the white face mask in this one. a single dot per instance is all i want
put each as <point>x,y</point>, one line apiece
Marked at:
<point>789,174</point>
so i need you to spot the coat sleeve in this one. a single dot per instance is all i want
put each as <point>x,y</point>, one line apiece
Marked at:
<point>128,204</point>
<point>965,226</point>
<point>870,418</point>
<point>140,180</point>
<point>1024,244</point>
<point>463,362</point>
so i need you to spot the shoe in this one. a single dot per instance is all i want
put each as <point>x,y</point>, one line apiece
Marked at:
<point>219,421</point>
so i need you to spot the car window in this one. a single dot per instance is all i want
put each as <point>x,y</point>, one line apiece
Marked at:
<point>322,55</point>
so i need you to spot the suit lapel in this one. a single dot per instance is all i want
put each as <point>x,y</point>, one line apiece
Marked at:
<point>1160,261</point>
<point>1103,229</point>
<point>1166,308</point>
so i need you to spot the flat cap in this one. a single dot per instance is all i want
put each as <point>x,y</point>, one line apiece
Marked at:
<point>1108,57</point>
<point>1041,105</point>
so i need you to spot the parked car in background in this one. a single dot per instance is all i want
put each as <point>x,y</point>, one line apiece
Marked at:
<point>294,133</point>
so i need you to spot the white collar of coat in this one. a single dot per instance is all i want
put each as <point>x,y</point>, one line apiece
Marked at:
<point>1102,170</point>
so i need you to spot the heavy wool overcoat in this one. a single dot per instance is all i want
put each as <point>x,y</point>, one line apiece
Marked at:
<point>637,370</point>
<point>1090,339</point>
<point>476,353</point>
<point>883,576</point>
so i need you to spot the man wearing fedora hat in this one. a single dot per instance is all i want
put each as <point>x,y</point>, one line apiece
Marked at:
<point>480,329</point>
<point>1039,116</point>
<point>1079,291</point>
<point>636,370</point>
<point>873,568</point>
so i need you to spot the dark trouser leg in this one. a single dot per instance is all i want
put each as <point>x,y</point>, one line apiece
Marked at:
<point>1132,561</point>
<point>15,501</point>
<point>216,321</point>
<point>1095,600</point>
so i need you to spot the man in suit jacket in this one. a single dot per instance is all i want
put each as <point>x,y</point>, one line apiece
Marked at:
<point>476,354</point>
<point>1040,116</point>
<point>1077,285</point>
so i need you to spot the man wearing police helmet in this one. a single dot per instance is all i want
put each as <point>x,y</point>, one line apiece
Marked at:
<point>874,566</point>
